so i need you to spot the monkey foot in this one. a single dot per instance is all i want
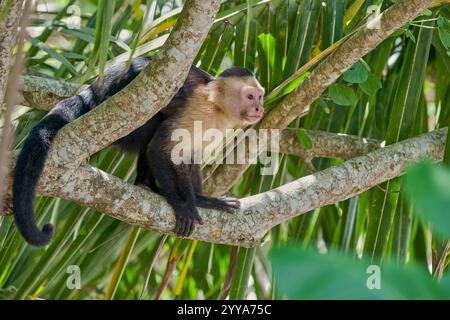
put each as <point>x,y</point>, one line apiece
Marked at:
<point>229,204</point>
<point>223,203</point>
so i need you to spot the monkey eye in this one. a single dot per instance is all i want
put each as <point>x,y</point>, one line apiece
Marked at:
<point>250,97</point>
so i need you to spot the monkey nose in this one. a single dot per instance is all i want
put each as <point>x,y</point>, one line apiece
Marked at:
<point>259,108</point>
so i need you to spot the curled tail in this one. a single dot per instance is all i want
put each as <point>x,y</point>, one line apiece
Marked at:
<point>30,164</point>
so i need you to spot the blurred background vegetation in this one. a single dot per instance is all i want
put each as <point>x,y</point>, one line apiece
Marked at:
<point>399,90</point>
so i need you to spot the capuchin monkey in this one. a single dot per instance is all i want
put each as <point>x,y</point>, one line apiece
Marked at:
<point>232,99</point>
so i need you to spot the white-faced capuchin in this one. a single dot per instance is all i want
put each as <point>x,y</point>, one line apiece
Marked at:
<point>232,99</point>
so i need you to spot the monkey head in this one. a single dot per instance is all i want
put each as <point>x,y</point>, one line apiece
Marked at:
<point>239,94</point>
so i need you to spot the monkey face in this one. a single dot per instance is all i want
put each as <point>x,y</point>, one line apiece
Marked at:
<point>241,97</point>
<point>251,103</point>
<point>251,100</point>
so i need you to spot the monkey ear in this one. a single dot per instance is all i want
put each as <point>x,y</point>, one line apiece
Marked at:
<point>218,86</point>
<point>197,76</point>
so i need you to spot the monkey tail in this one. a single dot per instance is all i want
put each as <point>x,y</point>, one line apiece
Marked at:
<point>31,160</point>
<point>30,165</point>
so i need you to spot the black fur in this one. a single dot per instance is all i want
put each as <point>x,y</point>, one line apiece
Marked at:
<point>181,185</point>
<point>237,72</point>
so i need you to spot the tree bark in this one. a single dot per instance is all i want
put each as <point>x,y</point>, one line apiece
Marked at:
<point>44,93</point>
<point>8,37</point>
<point>10,77</point>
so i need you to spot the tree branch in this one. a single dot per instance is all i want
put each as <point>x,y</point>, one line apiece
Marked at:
<point>8,37</point>
<point>341,60</point>
<point>94,188</point>
<point>327,145</point>
<point>10,79</point>
<point>44,93</point>
<point>324,75</point>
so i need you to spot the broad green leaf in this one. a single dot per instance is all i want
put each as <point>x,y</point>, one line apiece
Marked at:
<point>267,42</point>
<point>398,33</point>
<point>333,21</point>
<point>305,274</point>
<point>444,31</point>
<point>410,35</point>
<point>269,99</point>
<point>107,15</point>
<point>303,34</point>
<point>342,95</point>
<point>241,275</point>
<point>371,85</point>
<point>122,263</point>
<point>266,54</point>
<point>356,74</point>
<point>428,189</point>
<point>427,12</point>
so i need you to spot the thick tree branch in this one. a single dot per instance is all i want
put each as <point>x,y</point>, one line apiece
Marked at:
<point>324,75</point>
<point>8,36</point>
<point>327,145</point>
<point>43,93</point>
<point>96,189</point>
<point>142,98</point>
<point>11,79</point>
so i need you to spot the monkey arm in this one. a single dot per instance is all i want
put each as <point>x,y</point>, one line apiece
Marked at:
<point>175,183</point>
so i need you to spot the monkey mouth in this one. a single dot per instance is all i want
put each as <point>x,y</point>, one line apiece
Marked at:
<point>252,118</point>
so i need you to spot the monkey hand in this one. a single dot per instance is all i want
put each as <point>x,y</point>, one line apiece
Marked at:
<point>185,221</point>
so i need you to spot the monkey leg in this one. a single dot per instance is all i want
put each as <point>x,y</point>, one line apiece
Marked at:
<point>144,178</point>
<point>176,187</point>
<point>222,203</point>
